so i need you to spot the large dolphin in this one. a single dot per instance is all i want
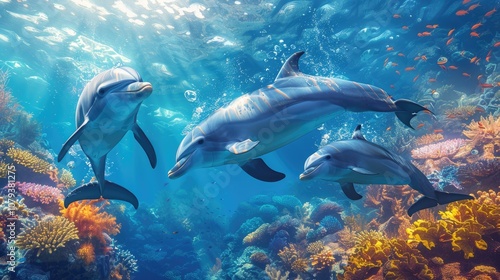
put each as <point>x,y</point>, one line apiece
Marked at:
<point>362,162</point>
<point>106,110</point>
<point>271,117</point>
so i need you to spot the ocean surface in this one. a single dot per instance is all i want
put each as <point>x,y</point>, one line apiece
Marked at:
<point>219,222</point>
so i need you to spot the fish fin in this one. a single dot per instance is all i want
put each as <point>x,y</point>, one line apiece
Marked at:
<point>362,170</point>
<point>423,203</point>
<point>407,110</point>
<point>349,191</point>
<point>445,198</point>
<point>241,147</point>
<point>357,133</point>
<point>291,66</point>
<point>145,144</point>
<point>92,191</point>
<point>258,169</point>
<point>87,191</point>
<point>71,140</point>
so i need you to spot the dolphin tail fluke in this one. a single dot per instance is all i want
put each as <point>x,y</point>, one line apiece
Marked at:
<point>110,191</point>
<point>442,198</point>
<point>258,169</point>
<point>87,191</point>
<point>407,110</point>
<point>423,203</point>
<point>445,198</point>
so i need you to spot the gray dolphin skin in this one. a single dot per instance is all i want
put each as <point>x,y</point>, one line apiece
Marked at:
<point>362,162</point>
<point>271,117</point>
<point>106,110</point>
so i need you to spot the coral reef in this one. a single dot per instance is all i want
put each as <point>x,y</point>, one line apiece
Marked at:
<point>90,220</point>
<point>29,160</point>
<point>48,236</point>
<point>485,132</point>
<point>439,150</point>
<point>86,253</point>
<point>40,193</point>
<point>322,260</point>
<point>66,179</point>
<point>429,139</point>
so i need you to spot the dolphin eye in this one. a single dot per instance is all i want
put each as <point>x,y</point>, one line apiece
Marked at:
<point>201,141</point>
<point>328,157</point>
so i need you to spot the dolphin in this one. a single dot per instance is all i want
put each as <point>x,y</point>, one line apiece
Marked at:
<point>271,117</point>
<point>106,110</point>
<point>362,162</point>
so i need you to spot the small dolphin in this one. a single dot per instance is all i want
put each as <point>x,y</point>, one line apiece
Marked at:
<point>269,118</point>
<point>362,162</point>
<point>106,110</point>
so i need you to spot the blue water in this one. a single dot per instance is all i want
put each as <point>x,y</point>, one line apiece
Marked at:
<point>220,50</point>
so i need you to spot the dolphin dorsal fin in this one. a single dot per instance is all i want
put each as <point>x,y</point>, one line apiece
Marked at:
<point>357,133</point>
<point>291,66</point>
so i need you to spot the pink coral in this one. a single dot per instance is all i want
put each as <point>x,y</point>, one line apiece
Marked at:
<point>439,150</point>
<point>40,193</point>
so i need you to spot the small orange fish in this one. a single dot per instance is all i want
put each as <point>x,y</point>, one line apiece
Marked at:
<point>474,34</point>
<point>388,128</point>
<point>416,78</point>
<point>466,74</point>
<point>479,77</point>
<point>486,85</point>
<point>480,109</point>
<point>488,56</point>
<point>432,26</point>
<point>420,126</point>
<point>472,60</point>
<point>497,44</point>
<point>480,125</point>
<point>449,41</point>
<point>465,2</point>
<point>432,80</point>
<point>396,16</point>
<point>442,66</point>
<point>472,7</point>
<point>405,27</point>
<point>390,49</point>
<point>477,61</point>
<point>451,32</point>
<point>397,72</point>
<point>401,54</point>
<point>424,34</point>
<point>424,58</point>
<point>417,58</point>
<point>476,26</point>
<point>461,13</point>
<point>409,69</point>
<point>452,67</point>
<point>436,131</point>
<point>490,13</point>
<point>394,64</point>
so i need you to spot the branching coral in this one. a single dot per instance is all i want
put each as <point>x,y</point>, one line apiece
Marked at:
<point>276,274</point>
<point>90,220</point>
<point>8,106</point>
<point>406,263</point>
<point>40,193</point>
<point>86,253</point>
<point>29,160</point>
<point>48,236</point>
<point>315,247</point>
<point>322,260</point>
<point>428,139</point>
<point>461,112</point>
<point>289,255</point>
<point>300,266</point>
<point>483,132</point>
<point>66,180</point>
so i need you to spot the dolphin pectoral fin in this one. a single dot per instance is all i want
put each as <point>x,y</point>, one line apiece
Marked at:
<point>291,66</point>
<point>349,191</point>
<point>258,169</point>
<point>423,203</point>
<point>241,147</point>
<point>357,133</point>
<point>445,198</point>
<point>362,171</point>
<point>115,191</point>
<point>146,145</point>
<point>407,110</point>
<point>71,140</point>
<point>87,191</point>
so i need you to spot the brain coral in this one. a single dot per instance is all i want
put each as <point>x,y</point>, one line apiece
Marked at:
<point>48,235</point>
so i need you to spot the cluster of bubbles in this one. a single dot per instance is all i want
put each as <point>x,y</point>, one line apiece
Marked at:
<point>190,95</point>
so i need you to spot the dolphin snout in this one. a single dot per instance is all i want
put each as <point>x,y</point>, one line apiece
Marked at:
<point>180,167</point>
<point>308,173</point>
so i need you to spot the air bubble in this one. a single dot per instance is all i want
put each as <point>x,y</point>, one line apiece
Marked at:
<point>190,95</point>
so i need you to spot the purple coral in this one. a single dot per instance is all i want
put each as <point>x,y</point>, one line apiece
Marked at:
<point>40,193</point>
<point>439,150</point>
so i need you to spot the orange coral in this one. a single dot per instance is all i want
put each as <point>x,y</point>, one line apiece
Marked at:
<point>322,260</point>
<point>428,139</point>
<point>462,112</point>
<point>90,220</point>
<point>86,253</point>
<point>483,132</point>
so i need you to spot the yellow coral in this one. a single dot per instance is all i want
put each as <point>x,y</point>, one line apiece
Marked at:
<point>86,253</point>
<point>406,263</point>
<point>322,260</point>
<point>428,139</point>
<point>48,236</point>
<point>299,266</point>
<point>6,144</point>
<point>66,180</point>
<point>256,236</point>
<point>4,171</point>
<point>29,160</point>
<point>288,255</point>
<point>315,247</point>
